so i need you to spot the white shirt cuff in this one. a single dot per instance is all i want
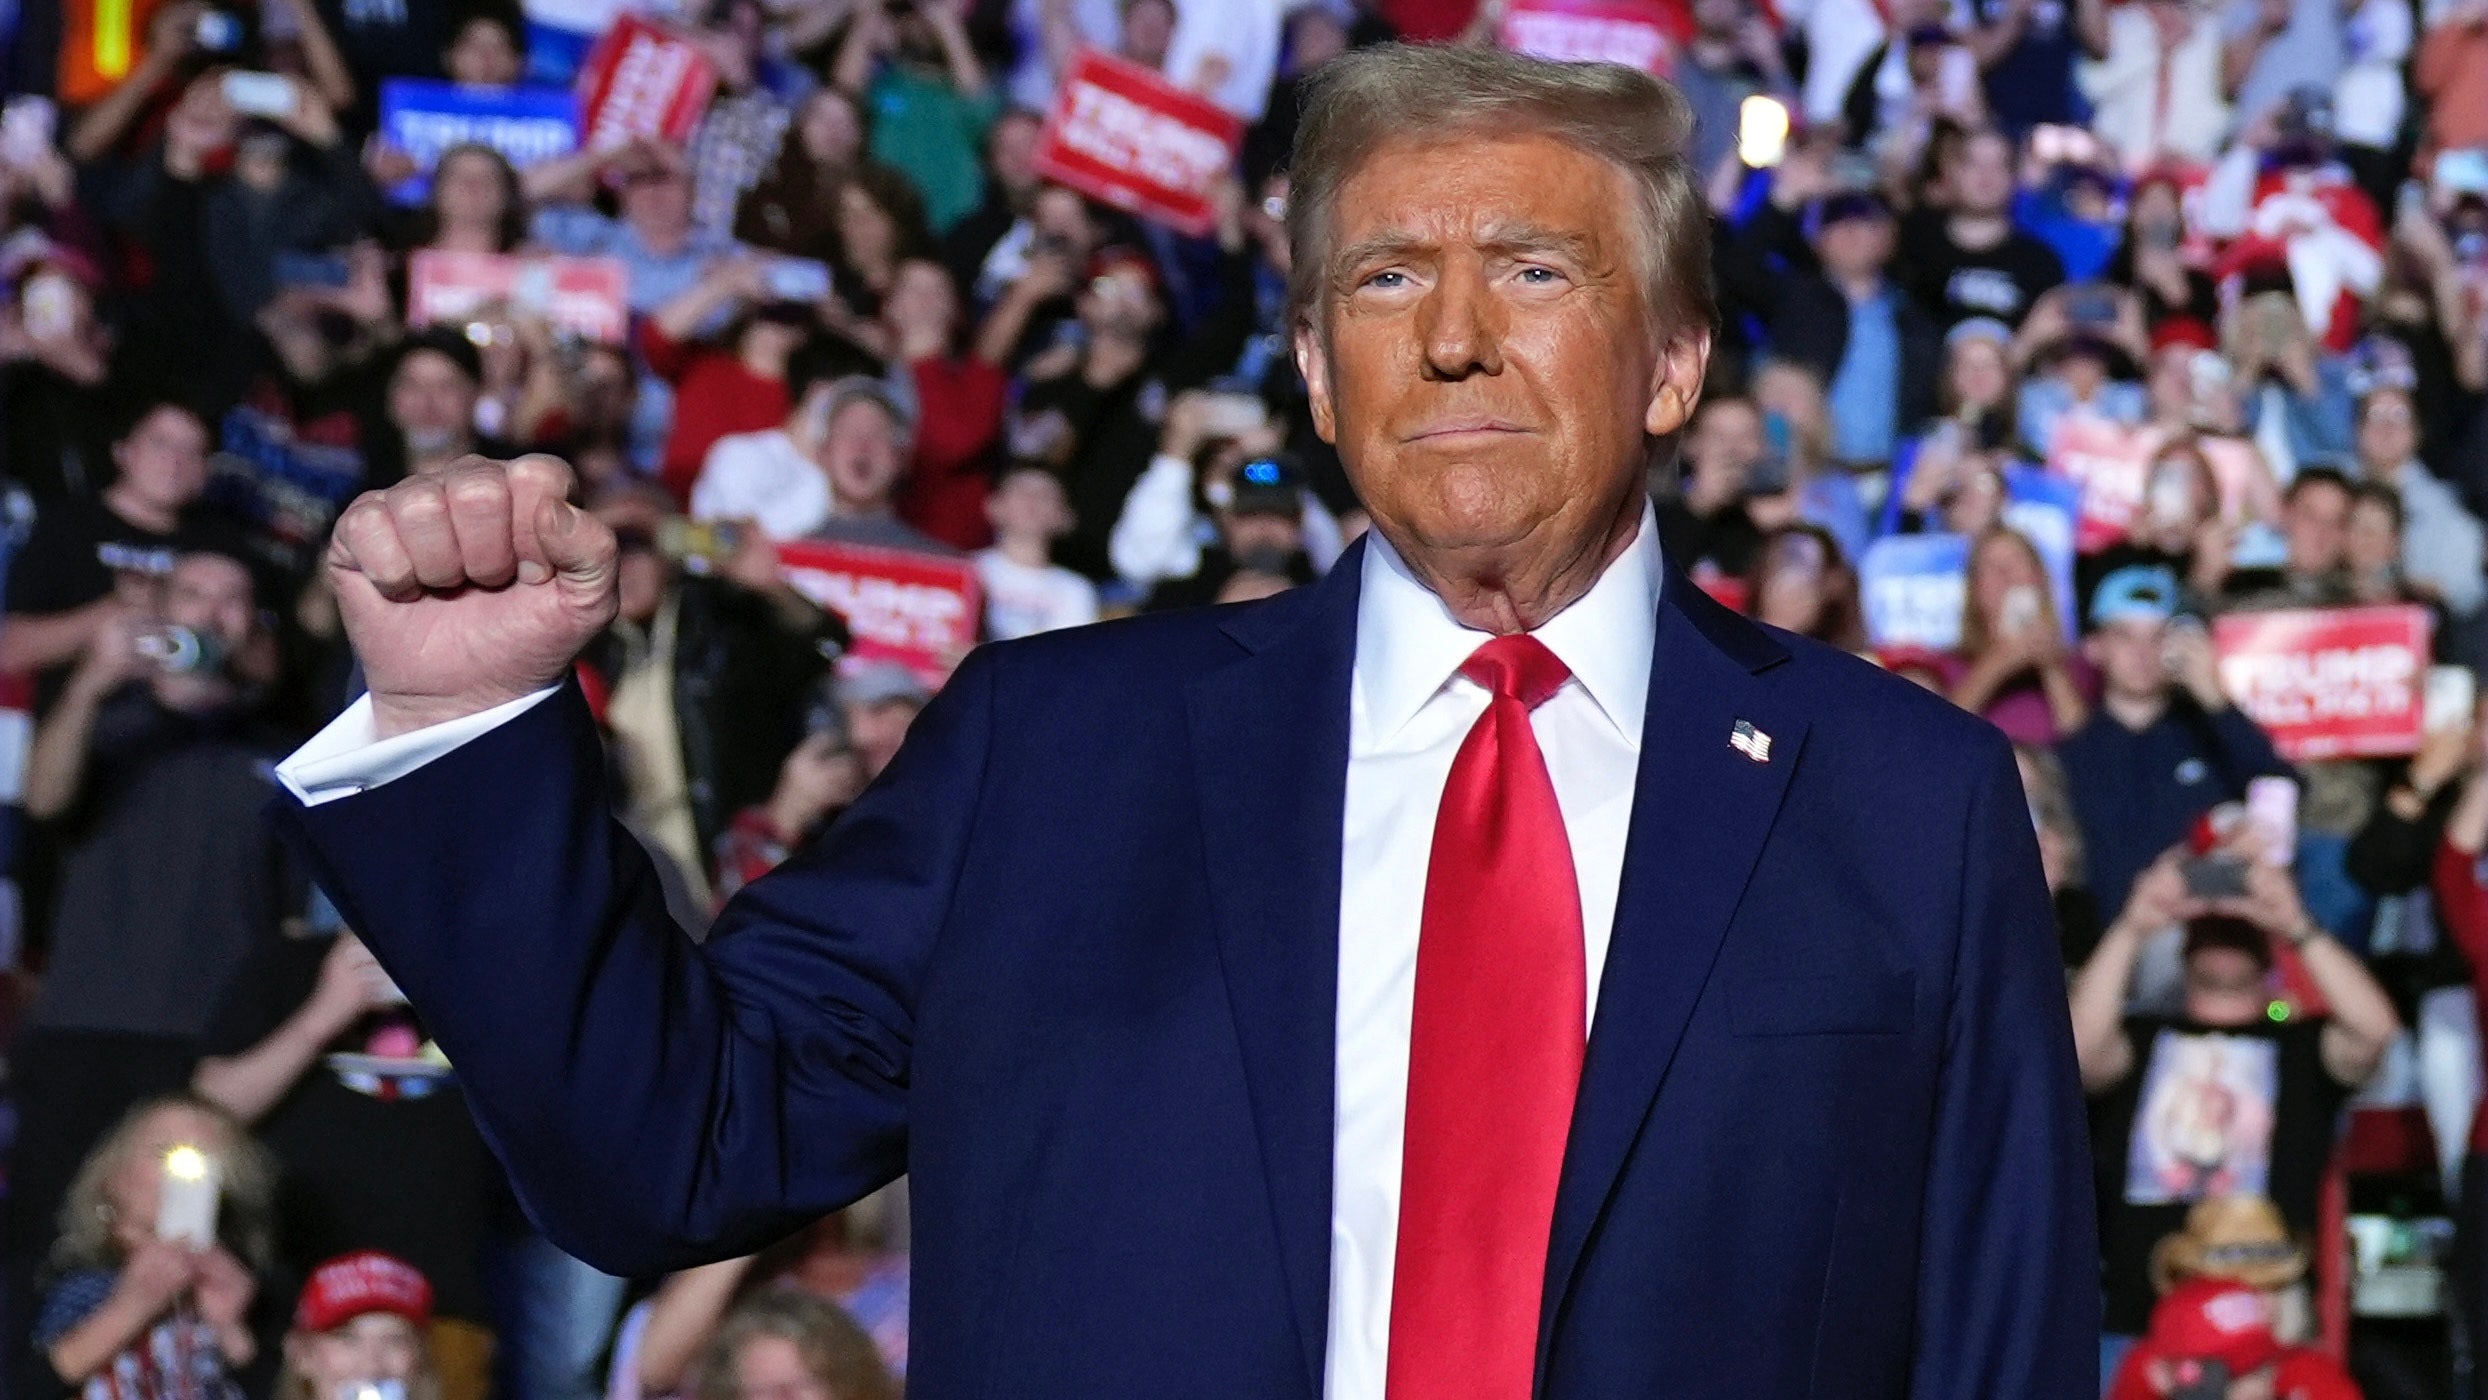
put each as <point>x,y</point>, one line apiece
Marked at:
<point>349,756</point>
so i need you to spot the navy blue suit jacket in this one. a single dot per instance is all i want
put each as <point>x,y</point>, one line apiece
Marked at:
<point>1071,965</point>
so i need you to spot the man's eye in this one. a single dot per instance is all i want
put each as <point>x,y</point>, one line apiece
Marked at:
<point>1387,280</point>
<point>1539,276</point>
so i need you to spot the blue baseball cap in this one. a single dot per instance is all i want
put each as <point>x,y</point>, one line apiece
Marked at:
<point>2137,592</point>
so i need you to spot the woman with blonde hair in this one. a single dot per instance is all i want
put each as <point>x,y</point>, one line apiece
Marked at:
<point>132,1315</point>
<point>785,1344</point>
<point>2015,666</point>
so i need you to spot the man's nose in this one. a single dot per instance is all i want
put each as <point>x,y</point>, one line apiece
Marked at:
<point>1462,324</point>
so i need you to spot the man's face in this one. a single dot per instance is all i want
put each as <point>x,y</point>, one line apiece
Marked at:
<point>1982,175</point>
<point>1856,247</point>
<point>860,451</point>
<point>212,594</point>
<point>1262,539</point>
<point>164,459</point>
<point>1011,150</point>
<point>656,201</point>
<point>2317,518</point>
<point>432,402</point>
<point>2224,987</point>
<point>1481,354</point>
<point>2127,653</point>
<point>1029,505</point>
<point>2388,431</point>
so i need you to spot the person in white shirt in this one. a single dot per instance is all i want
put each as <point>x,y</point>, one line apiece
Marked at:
<point>774,477</point>
<point>1025,591</point>
<point>1494,970</point>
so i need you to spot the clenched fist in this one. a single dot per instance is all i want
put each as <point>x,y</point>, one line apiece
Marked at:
<point>464,589</point>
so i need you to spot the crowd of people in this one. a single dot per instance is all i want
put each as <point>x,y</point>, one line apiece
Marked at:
<point>1958,244</point>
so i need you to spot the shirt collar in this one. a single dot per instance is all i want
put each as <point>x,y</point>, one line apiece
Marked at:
<point>1408,645</point>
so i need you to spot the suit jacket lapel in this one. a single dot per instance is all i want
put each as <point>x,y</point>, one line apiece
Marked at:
<point>1701,811</point>
<point>1270,754</point>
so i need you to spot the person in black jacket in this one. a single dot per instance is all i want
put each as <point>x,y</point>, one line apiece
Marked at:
<point>1877,350</point>
<point>707,675</point>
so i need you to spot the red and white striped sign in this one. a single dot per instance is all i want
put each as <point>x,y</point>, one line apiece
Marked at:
<point>642,82</point>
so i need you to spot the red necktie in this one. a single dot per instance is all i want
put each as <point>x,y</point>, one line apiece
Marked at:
<point>1494,1054</point>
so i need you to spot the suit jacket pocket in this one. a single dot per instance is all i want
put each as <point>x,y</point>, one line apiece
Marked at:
<point>1860,1002</point>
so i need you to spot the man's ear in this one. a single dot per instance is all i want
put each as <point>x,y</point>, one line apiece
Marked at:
<point>1676,382</point>
<point>1313,362</point>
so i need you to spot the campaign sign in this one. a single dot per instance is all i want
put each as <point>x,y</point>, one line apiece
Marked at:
<point>1912,587</point>
<point>1639,34</point>
<point>2328,682</point>
<point>919,610</point>
<point>2047,510</point>
<point>2112,463</point>
<point>1122,134</point>
<point>527,125</point>
<point>642,82</point>
<point>587,297</point>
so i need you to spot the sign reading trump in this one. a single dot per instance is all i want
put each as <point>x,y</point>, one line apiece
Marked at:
<point>1124,135</point>
<point>426,119</point>
<point>919,610</point>
<point>2328,682</point>
<point>641,82</point>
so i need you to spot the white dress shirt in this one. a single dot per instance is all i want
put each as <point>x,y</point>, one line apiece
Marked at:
<point>1408,711</point>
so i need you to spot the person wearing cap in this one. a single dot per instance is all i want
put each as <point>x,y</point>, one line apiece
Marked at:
<point>2163,745</point>
<point>1172,514</point>
<point>2081,349</point>
<point>866,434</point>
<point>2232,1092</point>
<point>773,478</point>
<point>360,1332</point>
<point>1492,970</point>
<point>2212,1339</point>
<point>1875,347</point>
<point>2239,1239</point>
<point>1259,511</point>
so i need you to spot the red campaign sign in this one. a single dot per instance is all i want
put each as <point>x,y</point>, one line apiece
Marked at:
<point>920,610</point>
<point>589,297</point>
<point>1641,34</point>
<point>1122,134</point>
<point>642,81</point>
<point>2329,682</point>
<point>2111,463</point>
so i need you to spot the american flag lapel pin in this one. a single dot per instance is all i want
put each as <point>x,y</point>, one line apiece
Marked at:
<point>1749,741</point>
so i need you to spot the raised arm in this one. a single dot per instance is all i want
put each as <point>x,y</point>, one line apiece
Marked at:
<point>763,1073</point>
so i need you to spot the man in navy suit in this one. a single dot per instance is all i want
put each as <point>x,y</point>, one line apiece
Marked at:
<point>1494,970</point>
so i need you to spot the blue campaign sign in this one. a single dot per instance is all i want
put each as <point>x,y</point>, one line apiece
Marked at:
<point>1912,588</point>
<point>2047,509</point>
<point>527,125</point>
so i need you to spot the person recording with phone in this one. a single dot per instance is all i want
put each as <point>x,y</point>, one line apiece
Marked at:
<point>151,1288</point>
<point>2235,1091</point>
<point>2015,666</point>
<point>2164,745</point>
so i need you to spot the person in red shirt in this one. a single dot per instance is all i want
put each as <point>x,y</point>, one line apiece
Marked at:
<point>735,384</point>
<point>2212,1339</point>
<point>960,401</point>
<point>2461,887</point>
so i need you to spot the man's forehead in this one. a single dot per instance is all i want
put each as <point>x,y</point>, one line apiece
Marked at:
<point>1481,189</point>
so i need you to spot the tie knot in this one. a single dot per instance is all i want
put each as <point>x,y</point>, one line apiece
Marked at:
<point>1518,667</point>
